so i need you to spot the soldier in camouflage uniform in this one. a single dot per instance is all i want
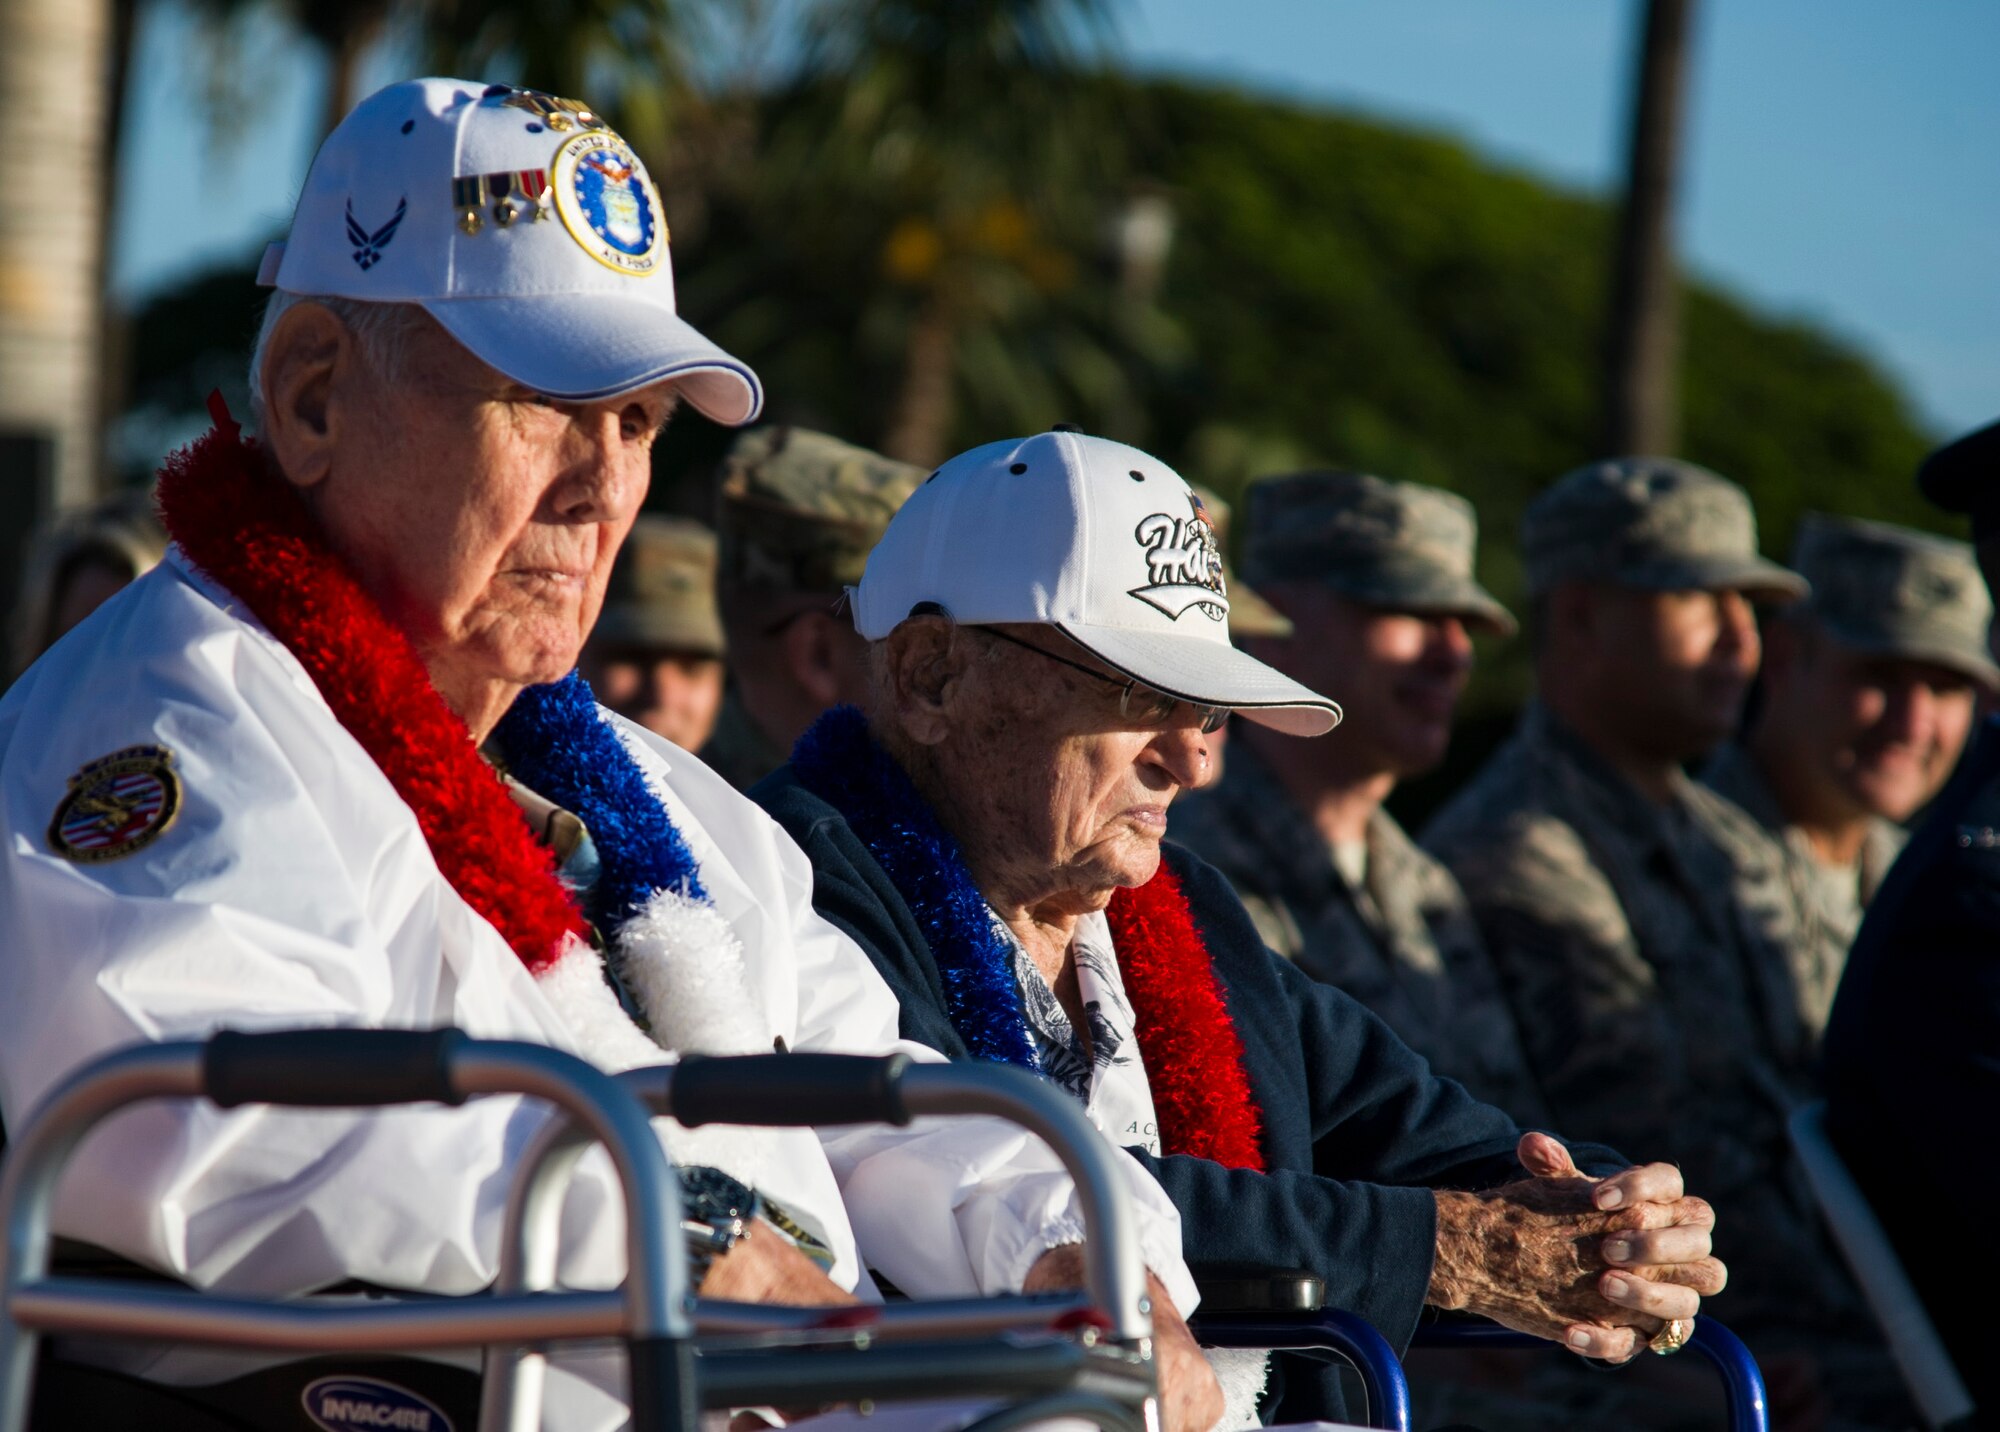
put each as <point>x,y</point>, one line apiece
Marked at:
<point>1865,702</point>
<point>1635,917</point>
<point>1378,578</point>
<point>797,515</point>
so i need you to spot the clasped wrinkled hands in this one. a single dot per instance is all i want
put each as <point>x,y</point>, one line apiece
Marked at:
<point>1598,1265</point>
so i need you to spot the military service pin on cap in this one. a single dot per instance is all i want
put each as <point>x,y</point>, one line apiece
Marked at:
<point>520,222</point>
<point>1101,541</point>
<point>1654,523</point>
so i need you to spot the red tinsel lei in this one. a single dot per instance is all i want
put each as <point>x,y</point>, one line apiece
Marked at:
<point>1194,1057</point>
<point>245,528</point>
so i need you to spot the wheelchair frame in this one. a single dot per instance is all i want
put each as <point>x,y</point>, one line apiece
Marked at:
<point>1110,1318</point>
<point>1088,1355</point>
<point>1080,1354</point>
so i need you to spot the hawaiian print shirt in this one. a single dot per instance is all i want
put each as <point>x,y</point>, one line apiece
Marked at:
<point>1108,1078</point>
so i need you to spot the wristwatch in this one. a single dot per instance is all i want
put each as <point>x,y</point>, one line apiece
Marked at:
<point>716,1212</point>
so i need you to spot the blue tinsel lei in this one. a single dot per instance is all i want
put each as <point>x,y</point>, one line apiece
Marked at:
<point>838,761</point>
<point>556,742</point>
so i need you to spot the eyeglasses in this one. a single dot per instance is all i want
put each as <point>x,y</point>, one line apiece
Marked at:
<point>1137,702</point>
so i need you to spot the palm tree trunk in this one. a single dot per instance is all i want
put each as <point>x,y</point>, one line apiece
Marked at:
<point>1641,408</point>
<point>52,92</point>
<point>920,420</point>
<point>115,352</point>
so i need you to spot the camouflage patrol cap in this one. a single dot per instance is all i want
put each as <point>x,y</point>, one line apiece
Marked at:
<point>662,589</point>
<point>1649,522</point>
<point>800,511</point>
<point>1398,545</point>
<point>1249,614</point>
<point>1893,592</point>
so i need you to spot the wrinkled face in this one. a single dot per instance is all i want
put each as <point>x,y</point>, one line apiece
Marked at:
<point>1049,789</point>
<point>1882,732</point>
<point>1674,667</point>
<point>484,517</point>
<point>674,694</point>
<point>1399,675</point>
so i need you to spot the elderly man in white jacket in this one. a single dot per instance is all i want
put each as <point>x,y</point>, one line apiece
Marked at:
<point>311,771</point>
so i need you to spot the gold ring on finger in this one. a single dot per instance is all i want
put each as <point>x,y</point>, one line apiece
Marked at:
<point>1673,1337</point>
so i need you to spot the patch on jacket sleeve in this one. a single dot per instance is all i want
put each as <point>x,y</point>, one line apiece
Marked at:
<point>116,804</point>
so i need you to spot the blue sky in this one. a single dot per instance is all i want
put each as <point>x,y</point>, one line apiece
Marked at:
<point>1843,159</point>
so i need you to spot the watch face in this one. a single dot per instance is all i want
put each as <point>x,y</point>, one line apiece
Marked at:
<point>711,1196</point>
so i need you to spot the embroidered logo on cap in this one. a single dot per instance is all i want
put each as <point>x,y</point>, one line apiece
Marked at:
<point>117,804</point>
<point>368,246</point>
<point>1183,564</point>
<point>607,202</point>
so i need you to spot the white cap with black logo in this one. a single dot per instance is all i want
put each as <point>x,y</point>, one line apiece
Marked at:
<point>523,225</point>
<point>1099,540</point>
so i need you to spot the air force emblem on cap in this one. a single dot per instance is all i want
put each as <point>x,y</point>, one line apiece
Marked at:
<point>368,245</point>
<point>1183,564</point>
<point>607,202</point>
<point>116,804</point>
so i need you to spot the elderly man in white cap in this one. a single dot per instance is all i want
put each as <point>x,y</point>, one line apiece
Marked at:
<point>310,771</point>
<point>1050,644</point>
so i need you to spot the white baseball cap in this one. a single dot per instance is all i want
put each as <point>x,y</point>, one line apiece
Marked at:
<point>1099,540</point>
<point>521,223</point>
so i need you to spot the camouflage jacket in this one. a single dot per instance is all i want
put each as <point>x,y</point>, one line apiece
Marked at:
<point>1825,915</point>
<point>1404,943</point>
<point>1643,949</point>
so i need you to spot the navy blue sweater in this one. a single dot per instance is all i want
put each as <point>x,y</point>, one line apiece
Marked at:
<point>1357,1130</point>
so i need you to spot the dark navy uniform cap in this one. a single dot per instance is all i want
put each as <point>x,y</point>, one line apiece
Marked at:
<point>1964,476</point>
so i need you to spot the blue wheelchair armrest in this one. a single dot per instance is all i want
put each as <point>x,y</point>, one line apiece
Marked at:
<point>1327,1330</point>
<point>1743,1383</point>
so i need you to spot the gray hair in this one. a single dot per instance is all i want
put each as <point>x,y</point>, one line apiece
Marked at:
<point>877,657</point>
<point>383,330</point>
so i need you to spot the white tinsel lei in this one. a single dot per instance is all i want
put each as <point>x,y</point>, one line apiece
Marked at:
<point>1241,1372</point>
<point>681,962</point>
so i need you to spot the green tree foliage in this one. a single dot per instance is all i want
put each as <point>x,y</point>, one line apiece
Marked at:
<point>1339,291</point>
<point>1801,419</point>
<point>1381,298</point>
<point>936,163</point>
<point>1365,296</point>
